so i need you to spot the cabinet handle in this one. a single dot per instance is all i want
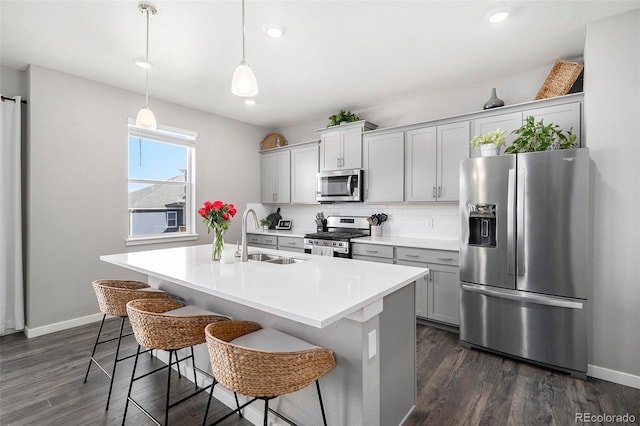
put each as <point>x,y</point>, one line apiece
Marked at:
<point>292,244</point>
<point>439,191</point>
<point>412,255</point>
<point>434,192</point>
<point>446,259</point>
<point>372,251</point>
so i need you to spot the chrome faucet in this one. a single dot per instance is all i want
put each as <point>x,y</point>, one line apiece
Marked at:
<point>245,254</point>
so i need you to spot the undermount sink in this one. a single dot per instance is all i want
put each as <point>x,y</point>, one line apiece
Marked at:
<point>271,258</point>
<point>261,257</point>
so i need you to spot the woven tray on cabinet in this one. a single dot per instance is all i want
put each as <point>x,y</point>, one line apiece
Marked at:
<point>560,79</point>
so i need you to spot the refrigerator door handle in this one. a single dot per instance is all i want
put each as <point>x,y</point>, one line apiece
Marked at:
<point>510,219</point>
<point>520,222</point>
<point>520,296</point>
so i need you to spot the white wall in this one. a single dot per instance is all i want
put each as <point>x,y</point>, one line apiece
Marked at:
<point>12,82</point>
<point>77,184</point>
<point>512,89</point>
<point>612,108</point>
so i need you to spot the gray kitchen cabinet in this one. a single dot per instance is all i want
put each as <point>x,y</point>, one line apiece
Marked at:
<point>341,146</point>
<point>567,116</point>
<point>304,167</point>
<point>276,177</point>
<point>372,250</point>
<point>294,244</point>
<point>505,122</point>
<point>383,162</point>
<point>264,241</point>
<point>432,161</point>
<point>438,294</point>
<point>453,146</point>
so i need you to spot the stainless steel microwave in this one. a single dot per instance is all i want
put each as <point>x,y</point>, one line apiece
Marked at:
<point>339,185</point>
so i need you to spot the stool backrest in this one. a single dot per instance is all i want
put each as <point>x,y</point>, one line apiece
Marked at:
<point>113,295</point>
<point>258,373</point>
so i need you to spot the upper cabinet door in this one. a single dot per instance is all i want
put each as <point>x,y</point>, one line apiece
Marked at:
<point>567,116</point>
<point>330,151</point>
<point>276,177</point>
<point>453,146</point>
<point>383,164</point>
<point>268,170</point>
<point>505,122</point>
<point>352,149</point>
<point>304,167</point>
<point>420,165</point>
<point>283,177</point>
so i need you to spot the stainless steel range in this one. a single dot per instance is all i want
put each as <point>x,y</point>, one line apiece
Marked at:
<point>336,240</point>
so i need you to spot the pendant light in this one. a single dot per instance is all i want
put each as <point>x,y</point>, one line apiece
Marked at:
<point>146,118</point>
<point>244,81</point>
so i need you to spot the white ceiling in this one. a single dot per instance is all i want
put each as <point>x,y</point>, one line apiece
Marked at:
<point>335,54</point>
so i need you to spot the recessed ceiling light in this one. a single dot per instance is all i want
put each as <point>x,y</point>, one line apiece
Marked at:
<point>274,31</point>
<point>143,64</point>
<point>249,102</point>
<point>498,15</point>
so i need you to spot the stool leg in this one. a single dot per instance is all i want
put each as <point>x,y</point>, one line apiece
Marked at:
<point>133,374</point>
<point>166,406</point>
<point>206,412</point>
<point>235,394</point>
<point>324,418</point>
<point>266,413</point>
<point>115,361</point>
<point>95,345</point>
<point>193,363</point>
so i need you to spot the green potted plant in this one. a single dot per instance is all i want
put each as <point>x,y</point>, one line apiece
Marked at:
<point>489,143</point>
<point>344,116</point>
<point>265,223</point>
<point>536,136</point>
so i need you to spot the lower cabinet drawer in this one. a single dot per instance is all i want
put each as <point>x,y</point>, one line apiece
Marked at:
<point>372,259</point>
<point>441,257</point>
<point>373,250</point>
<point>289,243</point>
<point>262,240</point>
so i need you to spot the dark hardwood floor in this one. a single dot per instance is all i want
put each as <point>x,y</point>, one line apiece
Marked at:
<point>41,384</point>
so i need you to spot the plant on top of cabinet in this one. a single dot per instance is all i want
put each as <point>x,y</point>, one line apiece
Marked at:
<point>489,143</point>
<point>344,116</point>
<point>536,136</point>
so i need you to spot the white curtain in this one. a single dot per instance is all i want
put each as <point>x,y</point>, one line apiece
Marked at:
<point>11,290</point>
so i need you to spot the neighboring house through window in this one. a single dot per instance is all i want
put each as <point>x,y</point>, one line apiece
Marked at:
<point>161,183</point>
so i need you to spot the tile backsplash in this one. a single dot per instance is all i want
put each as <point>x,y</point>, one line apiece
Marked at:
<point>436,221</point>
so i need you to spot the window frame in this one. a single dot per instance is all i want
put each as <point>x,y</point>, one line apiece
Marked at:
<point>173,136</point>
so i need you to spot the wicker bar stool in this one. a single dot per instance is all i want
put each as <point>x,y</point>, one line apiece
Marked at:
<point>167,325</point>
<point>264,363</point>
<point>113,296</point>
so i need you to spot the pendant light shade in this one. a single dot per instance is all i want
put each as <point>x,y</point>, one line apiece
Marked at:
<point>146,118</point>
<point>244,81</point>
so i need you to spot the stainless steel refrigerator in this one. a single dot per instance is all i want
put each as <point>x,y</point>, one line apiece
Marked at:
<point>524,256</point>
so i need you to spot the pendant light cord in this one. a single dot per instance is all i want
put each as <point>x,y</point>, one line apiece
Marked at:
<point>243,33</point>
<point>146,60</point>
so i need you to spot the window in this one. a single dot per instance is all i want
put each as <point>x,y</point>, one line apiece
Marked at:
<point>161,184</point>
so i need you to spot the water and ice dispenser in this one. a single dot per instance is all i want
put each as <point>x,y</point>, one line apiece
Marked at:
<point>482,225</point>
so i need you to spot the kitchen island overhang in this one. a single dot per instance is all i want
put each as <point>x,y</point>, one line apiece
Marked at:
<point>363,311</point>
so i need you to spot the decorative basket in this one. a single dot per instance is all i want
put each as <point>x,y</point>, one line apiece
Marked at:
<point>273,140</point>
<point>560,79</point>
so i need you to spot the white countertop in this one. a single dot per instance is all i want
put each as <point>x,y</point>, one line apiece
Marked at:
<point>435,244</point>
<point>317,292</point>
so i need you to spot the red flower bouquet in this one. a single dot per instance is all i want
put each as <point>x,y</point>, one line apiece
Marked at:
<point>217,216</point>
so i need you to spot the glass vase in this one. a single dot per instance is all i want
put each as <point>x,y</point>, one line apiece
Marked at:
<point>218,244</point>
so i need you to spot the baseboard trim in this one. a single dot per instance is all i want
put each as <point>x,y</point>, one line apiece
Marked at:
<point>60,326</point>
<point>614,376</point>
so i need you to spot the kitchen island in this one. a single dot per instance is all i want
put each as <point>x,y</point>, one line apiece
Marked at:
<point>362,311</point>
